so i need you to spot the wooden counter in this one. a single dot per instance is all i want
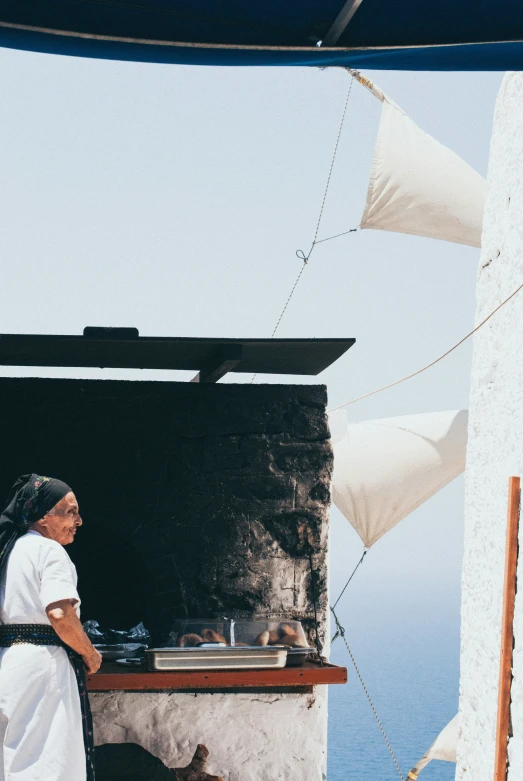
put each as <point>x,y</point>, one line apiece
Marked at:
<point>115,677</point>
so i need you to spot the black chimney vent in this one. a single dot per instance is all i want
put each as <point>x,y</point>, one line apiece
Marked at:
<point>93,332</point>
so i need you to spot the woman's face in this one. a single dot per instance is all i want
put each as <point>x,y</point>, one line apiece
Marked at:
<point>62,522</point>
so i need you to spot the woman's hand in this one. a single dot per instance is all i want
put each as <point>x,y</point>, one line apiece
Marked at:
<point>92,661</point>
<point>68,627</point>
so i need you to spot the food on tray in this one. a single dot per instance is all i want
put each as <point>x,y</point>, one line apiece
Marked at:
<point>195,632</point>
<point>192,639</point>
<point>188,640</point>
<point>223,643</point>
<point>293,641</point>
<point>284,635</point>
<point>270,632</point>
<point>210,636</point>
<point>227,633</point>
<point>262,639</point>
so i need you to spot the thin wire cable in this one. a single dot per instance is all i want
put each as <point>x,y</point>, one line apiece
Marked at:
<point>349,580</point>
<point>337,236</point>
<point>337,634</point>
<point>300,253</point>
<point>306,258</point>
<point>432,363</point>
<point>332,164</point>
<point>341,632</point>
<point>289,298</point>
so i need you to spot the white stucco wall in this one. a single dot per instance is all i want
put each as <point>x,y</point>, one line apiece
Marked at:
<point>250,736</point>
<point>495,451</point>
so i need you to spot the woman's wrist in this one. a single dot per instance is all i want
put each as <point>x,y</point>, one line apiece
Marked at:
<point>90,651</point>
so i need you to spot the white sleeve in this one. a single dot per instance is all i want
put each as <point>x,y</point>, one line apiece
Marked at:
<point>57,580</point>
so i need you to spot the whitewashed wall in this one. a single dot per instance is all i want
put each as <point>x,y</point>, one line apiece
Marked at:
<point>495,451</point>
<point>250,736</point>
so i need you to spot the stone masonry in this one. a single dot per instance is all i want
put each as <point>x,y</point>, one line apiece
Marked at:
<point>198,500</point>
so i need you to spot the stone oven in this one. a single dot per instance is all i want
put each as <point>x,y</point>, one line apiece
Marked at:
<point>199,500</point>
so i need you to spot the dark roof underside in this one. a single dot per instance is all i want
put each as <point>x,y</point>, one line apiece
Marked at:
<point>212,357</point>
<point>404,34</point>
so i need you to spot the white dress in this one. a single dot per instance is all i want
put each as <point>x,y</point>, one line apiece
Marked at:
<point>40,718</point>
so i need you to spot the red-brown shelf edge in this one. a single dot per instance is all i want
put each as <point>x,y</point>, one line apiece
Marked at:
<point>113,678</point>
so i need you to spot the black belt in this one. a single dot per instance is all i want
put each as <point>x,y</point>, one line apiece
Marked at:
<point>44,634</point>
<point>35,634</point>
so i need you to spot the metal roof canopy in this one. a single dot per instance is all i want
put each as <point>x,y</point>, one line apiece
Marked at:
<point>400,35</point>
<point>124,348</point>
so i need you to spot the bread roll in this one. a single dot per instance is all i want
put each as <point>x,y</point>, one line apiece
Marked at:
<point>293,641</point>
<point>210,636</point>
<point>262,639</point>
<point>189,641</point>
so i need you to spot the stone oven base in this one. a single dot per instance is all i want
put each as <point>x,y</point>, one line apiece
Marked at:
<point>250,737</point>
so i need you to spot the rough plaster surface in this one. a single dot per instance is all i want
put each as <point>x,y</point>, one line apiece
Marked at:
<point>251,737</point>
<point>495,451</point>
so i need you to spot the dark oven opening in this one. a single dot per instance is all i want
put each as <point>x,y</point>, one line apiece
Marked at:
<point>112,582</point>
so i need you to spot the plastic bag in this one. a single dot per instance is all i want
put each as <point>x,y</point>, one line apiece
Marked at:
<point>93,632</point>
<point>138,634</point>
<point>118,643</point>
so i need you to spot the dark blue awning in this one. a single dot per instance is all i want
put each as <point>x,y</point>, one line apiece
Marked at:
<point>387,34</point>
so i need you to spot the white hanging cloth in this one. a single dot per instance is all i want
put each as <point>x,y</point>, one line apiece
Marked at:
<point>384,469</point>
<point>419,186</point>
<point>444,748</point>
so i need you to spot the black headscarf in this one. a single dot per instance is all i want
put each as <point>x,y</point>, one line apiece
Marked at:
<point>30,498</point>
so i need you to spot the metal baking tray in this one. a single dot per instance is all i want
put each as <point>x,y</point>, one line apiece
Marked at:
<point>224,658</point>
<point>113,652</point>
<point>296,657</point>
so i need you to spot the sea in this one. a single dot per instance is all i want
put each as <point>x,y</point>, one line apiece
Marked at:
<point>410,664</point>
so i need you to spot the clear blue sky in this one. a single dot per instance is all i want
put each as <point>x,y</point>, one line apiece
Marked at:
<point>174,198</point>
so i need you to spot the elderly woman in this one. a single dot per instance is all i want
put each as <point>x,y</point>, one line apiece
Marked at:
<point>45,724</point>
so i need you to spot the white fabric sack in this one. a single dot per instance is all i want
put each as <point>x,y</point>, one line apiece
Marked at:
<point>384,469</point>
<point>444,748</point>
<point>421,187</point>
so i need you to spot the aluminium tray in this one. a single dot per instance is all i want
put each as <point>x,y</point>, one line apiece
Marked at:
<point>113,652</point>
<point>225,658</point>
<point>296,657</point>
